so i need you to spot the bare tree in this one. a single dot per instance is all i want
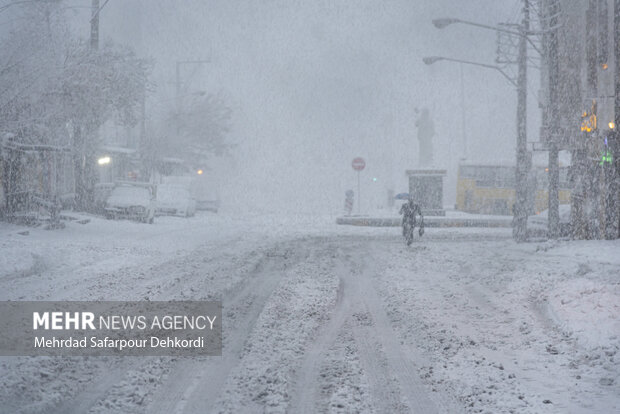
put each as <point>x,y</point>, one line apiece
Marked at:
<point>56,90</point>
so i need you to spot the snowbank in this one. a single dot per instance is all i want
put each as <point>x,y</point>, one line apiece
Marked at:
<point>589,310</point>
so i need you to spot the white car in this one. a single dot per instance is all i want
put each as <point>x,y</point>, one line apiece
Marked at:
<point>132,202</point>
<point>174,200</point>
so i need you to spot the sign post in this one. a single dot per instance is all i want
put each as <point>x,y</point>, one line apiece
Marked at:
<point>348,202</point>
<point>358,165</point>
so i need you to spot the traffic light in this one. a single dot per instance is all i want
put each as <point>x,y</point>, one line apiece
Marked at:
<point>588,119</point>
<point>607,157</point>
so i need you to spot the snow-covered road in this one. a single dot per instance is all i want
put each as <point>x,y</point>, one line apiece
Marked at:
<point>324,318</point>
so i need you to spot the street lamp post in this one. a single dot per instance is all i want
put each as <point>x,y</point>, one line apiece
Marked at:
<point>520,208</point>
<point>429,60</point>
<point>463,117</point>
<point>525,32</point>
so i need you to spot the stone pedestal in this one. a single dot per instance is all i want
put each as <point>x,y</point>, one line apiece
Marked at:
<point>426,187</point>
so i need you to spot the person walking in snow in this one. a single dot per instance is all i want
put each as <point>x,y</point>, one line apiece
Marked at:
<point>410,210</point>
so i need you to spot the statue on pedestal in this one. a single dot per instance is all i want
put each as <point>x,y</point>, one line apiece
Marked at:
<point>426,131</point>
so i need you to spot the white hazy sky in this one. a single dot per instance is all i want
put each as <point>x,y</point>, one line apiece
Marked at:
<point>316,83</point>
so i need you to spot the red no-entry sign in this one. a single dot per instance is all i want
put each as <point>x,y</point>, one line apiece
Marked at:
<point>358,164</point>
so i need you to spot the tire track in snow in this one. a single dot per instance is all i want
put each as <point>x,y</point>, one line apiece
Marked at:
<point>391,372</point>
<point>96,392</point>
<point>307,392</point>
<point>400,363</point>
<point>194,385</point>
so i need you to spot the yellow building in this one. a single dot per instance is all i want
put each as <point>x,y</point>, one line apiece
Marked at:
<point>490,189</point>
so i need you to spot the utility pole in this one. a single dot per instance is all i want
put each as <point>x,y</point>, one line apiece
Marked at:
<point>617,64</point>
<point>588,151</point>
<point>83,155</point>
<point>579,169</point>
<point>614,190</point>
<point>522,163</point>
<point>554,162</point>
<point>94,25</point>
<point>178,83</point>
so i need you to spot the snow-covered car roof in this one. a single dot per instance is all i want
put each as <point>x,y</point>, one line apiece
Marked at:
<point>124,196</point>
